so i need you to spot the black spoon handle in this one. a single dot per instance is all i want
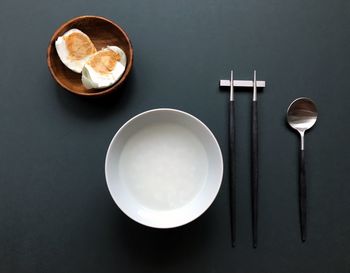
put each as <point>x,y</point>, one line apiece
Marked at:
<point>232,171</point>
<point>254,172</point>
<point>302,195</point>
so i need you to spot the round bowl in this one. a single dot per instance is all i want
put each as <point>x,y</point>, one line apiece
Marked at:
<point>164,168</point>
<point>102,32</point>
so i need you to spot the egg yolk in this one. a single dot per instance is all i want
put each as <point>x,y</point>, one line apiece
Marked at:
<point>79,46</point>
<point>104,62</point>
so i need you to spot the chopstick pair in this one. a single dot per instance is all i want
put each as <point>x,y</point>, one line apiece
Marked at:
<point>254,162</point>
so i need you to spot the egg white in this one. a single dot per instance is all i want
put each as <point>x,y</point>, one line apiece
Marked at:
<point>61,47</point>
<point>93,79</point>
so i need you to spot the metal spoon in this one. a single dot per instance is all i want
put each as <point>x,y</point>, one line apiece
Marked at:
<point>301,116</point>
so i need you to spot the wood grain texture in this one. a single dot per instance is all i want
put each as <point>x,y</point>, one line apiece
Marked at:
<point>102,32</point>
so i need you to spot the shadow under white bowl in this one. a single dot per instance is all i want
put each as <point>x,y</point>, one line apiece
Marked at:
<point>164,168</point>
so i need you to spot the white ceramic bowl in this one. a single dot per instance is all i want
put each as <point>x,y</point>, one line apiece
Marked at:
<point>164,168</point>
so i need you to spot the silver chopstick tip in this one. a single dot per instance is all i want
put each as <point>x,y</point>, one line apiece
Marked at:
<point>254,87</point>
<point>231,87</point>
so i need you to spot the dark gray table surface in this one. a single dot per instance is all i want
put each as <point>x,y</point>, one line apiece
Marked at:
<point>56,214</point>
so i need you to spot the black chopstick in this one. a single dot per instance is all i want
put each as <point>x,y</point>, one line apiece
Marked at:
<point>254,164</point>
<point>232,162</point>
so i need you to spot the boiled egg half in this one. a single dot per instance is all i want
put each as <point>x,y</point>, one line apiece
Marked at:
<point>104,68</point>
<point>74,49</point>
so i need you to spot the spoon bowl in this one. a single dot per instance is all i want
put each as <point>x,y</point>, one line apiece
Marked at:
<point>302,114</point>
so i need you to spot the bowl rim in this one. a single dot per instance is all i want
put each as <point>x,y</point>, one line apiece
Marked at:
<point>215,192</point>
<point>107,90</point>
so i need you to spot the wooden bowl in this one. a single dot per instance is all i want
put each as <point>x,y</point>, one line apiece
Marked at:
<point>102,32</point>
